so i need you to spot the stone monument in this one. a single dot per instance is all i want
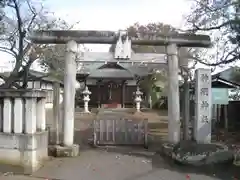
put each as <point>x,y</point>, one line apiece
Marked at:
<point>203,106</point>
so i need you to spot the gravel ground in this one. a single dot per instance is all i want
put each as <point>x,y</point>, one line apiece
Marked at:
<point>123,164</point>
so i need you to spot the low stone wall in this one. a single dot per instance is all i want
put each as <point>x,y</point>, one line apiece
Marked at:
<point>198,154</point>
<point>23,135</point>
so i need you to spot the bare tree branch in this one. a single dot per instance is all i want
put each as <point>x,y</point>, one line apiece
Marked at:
<point>21,37</point>
<point>223,25</point>
<point>27,15</point>
<point>220,20</point>
<point>9,51</point>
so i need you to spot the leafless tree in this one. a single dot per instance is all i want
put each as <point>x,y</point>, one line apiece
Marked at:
<point>21,17</point>
<point>221,20</point>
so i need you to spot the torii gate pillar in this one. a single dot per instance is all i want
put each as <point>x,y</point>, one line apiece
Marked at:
<point>69,92</point>
<point>173,95</point>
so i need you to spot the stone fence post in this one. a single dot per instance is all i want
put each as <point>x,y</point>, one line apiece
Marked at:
<point>23,135</point>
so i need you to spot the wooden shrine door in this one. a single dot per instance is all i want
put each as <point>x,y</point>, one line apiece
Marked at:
<point>113,94</point>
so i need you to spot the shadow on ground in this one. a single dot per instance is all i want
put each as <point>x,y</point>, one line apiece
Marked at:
<point>222,172</point>
<point>81,137</point>
<point>153,155</point>
<point>7,169</point>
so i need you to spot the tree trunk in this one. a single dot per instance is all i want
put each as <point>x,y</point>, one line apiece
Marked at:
<point>9,82</point>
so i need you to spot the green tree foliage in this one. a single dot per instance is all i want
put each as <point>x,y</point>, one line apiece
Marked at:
<point>155,84</point>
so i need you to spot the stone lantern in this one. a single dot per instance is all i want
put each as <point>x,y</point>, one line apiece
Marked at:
<point>86,99</point>
<point>138,99</point>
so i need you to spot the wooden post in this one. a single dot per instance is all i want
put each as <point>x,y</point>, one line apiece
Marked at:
<point>186,109</point>
<point>145,133</point>
<point>218,113</point>
<point>123,94</point>
<point>95,132</point>
<point>56,108</point>
<point>99,94</point>
<point>226,117</point>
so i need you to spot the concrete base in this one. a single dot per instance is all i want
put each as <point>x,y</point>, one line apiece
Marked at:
<point>25,150</point>
<point>64,151</point>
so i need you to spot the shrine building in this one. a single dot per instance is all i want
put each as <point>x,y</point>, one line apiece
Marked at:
<point>113,85</point>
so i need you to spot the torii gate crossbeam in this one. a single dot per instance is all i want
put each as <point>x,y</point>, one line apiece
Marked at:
<point>110,37</point>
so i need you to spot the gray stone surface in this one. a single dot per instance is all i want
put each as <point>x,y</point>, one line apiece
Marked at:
<point>18,177</point>
<point>22,93</point>
<point>64,151</point>
<point>192,153</point>
<point>124,163</point>
<point>173,95</point>
<point>121,164</point>
<point>69,92</point>
<point>25,150</point>
<point>23,141</point>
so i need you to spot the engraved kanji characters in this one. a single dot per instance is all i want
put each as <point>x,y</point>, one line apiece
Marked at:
<point>204,91</point>
<point>204,119</point>
<point>204,104</point>
<point>204,77</point>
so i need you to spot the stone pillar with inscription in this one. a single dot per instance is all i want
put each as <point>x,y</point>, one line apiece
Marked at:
<point>203,106</point>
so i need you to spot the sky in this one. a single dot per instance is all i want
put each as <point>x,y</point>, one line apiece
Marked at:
<point>114,15</point>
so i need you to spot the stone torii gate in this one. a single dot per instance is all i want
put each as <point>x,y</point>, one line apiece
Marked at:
<point>122,54</point>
